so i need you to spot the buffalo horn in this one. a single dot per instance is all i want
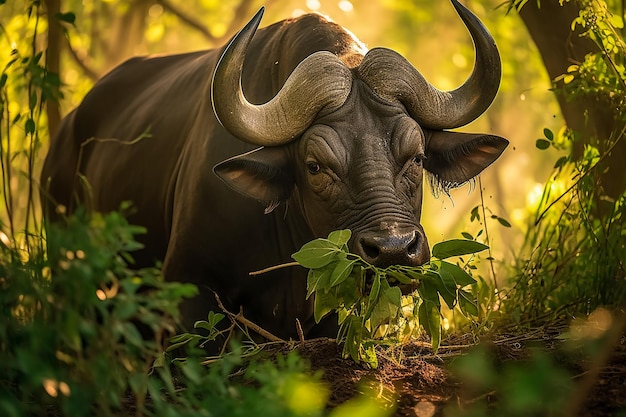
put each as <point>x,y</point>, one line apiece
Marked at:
<point>318,81</point>
<point>393,77</point>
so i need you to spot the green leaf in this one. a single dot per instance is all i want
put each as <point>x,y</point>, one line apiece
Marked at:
<point>561,162</point>
<point>503,222</point>
<point>467,303</point>
<point>394,295</point>
<point>341,271</point>
<point>373,297</point>
<point>324,304</point>
<point>317,280</point>
<point>430,320</point>
<point>37,58</point>
<point>461,277</point>
<point>387,308</point>
<point>29,126</point>
<point>467,236</point>
<point>419,275</point>
<point>474,215</point>
<point>52,79</point>
<point>428,291</point>
<point>182,339</point>
<point>203,324</point>
<point>548,134</point>
<point>568,78</point>
<point>68,17</point>
<point>317,253</point>
<point>542,144</point>
<point>400,276</point>
<point>368,355</point>
<point>342,315</point>
<point>616,21</point>
<point>354,338</point>
<point>349,291</point>
<point>446,286</point>
<point>160,361</point>
<point>340,237</point>
<point>457,247</point>
<point>215,318</point>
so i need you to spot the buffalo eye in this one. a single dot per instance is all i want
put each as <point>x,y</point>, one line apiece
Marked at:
<point>418,159</point>
<point>313,167</point>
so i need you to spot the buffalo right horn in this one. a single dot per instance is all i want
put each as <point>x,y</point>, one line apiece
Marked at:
<point>319,81</point>
<point>393,77</point>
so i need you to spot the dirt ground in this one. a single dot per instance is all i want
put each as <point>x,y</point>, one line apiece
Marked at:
<point>422,385</point>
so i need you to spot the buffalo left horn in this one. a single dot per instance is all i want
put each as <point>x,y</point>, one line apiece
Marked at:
<point>393,77</point>
<point>318,81</point>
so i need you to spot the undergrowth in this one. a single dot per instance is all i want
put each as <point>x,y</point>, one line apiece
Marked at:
<point>575,249</point>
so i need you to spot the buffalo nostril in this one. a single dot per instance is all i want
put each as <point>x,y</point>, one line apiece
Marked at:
<point>413,246</point>
<point>370,250</point>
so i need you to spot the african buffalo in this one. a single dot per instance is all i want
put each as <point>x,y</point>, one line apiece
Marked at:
<point>338,138</point>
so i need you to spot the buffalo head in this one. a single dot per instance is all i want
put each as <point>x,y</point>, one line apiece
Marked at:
<point>347,144</point>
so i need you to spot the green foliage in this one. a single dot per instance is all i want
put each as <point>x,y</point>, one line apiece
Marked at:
<point>246,382</point>
<point>602,75</point>
<point>230,387</point>
<point>575,252</point>
<point>369,300</point>
<point>25,87</point>
<point>71,325</point>
<point>576,260</point>
<point>284,388</point>
<point>72,340</point>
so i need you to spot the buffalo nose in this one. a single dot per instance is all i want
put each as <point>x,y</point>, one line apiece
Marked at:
<point>382,250</point>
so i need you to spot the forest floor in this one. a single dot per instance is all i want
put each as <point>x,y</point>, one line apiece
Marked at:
<point>422,384</point>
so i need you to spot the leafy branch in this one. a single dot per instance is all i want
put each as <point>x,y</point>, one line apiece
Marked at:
<point>369,300</point>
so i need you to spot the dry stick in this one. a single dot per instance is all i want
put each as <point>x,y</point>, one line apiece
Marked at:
<point>244,321</point>
<point>300,332</point>
<point>273,268</point>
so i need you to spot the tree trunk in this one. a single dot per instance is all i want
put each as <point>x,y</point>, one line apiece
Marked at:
<point>592,120</point>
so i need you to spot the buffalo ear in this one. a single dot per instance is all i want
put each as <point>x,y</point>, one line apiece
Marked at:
<point>455,158</point>
<point>262,174</point>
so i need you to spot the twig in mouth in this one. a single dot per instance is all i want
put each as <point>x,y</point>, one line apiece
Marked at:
<point>273,268</point>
